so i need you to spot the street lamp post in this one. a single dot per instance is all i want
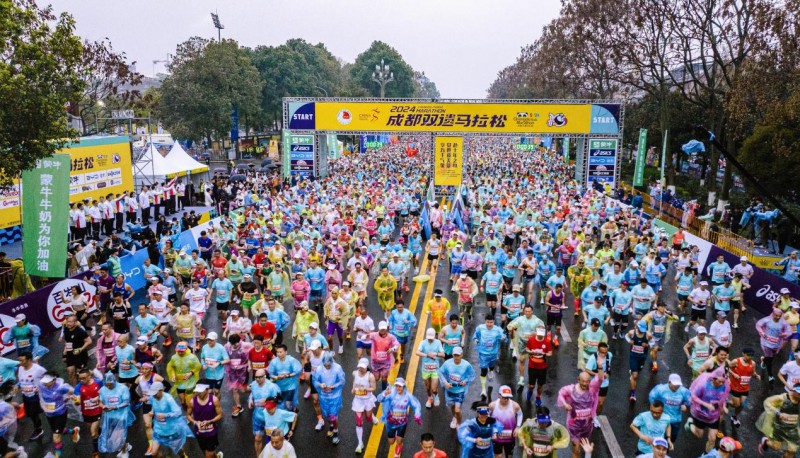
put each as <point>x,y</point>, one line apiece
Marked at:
<point>322,89</point>
<point>382,75</point>
<point>100,105</point>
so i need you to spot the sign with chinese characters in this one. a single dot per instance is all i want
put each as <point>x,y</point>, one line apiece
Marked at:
<point>97,167</point>
<point>641,152</point>
<point>301,155</point>
<point>46,219</point>
<point>483,117</point>
<point>602,160</point>
<point>448,161</point>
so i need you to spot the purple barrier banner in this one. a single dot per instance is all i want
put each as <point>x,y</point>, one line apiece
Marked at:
<point>764,286</point>
<point>45,307</point>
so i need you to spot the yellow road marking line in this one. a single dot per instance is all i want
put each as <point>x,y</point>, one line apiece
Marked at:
<point>413,362</point>
<point>376,434</point>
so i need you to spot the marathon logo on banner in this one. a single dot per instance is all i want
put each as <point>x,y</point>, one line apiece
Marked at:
<point>45,307</point>
<point>764,286</point>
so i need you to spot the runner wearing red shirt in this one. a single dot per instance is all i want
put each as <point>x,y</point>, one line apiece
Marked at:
<point>539,347</point>
<point>265,329</point>
<point>87,393</point>
<point>259,356</point>
<point>429,449</point>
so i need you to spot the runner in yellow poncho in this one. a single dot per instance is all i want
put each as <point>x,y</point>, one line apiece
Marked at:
<point>385,285</point>
<point>579,278</point>
<point>302,319</point>
<point>183,370</point>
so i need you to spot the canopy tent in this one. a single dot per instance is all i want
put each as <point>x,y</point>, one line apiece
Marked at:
<point>182,162</point>
<point>152,167</point>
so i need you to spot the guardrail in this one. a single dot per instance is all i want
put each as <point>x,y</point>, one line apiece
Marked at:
<point>724,238</point>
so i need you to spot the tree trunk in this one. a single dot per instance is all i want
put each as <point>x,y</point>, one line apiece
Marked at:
<point>727,179</point>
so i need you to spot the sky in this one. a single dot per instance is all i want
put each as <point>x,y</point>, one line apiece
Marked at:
<point>459,44</point>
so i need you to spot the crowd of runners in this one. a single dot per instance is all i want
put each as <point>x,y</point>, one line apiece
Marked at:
<point>289,277</point>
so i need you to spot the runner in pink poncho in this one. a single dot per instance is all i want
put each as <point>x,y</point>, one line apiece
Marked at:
<point>580,402</point>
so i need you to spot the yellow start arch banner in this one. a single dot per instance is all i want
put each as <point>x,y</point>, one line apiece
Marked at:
<point>564,118</point>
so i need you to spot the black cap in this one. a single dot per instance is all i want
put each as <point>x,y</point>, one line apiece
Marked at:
<point>598,298</point>
<point>595,322</point>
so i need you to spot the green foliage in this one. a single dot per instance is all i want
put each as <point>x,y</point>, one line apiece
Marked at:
<point>39,59</point>
<point>207,80</point>
<point>295,69</point>
<point>403,85</point>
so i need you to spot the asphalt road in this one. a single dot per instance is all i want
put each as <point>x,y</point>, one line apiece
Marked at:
<point>236,438</point>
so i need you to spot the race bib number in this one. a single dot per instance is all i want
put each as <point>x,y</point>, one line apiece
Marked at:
<point>658,329</point>
<point>205,427</point>
<point>482,442</point>
<point>109,352</point>
<point>505,434</point>
<point>360,392</point>
<point>583,414</point>
<point>275,288</point>
<point>68,347</point>
<point>236,362</point>
<point>744,380</point>
<point>399,414</point>
<point>212,363</point>
<point>49,406</point>
<point>701,354</point>
<point>492,284</point>
<point>790,419</point>
<point>381,356</point>
<point>772,339</point>
<point>259,365</point>
<point>541,449</point>
<point>125,367</point>
<point>92,403</point>
<point>430,367</point>
<point>23,343</point>
<point>637,349</point>
<point>185,331</point>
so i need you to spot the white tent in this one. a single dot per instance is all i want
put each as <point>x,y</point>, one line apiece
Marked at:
<point>152,167</point>
<point>182,162</point>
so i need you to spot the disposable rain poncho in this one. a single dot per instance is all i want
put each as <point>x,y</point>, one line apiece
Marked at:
<point>8,421</point>
<point>394,407</point>
<point>114,429</point>
<point>329,382</point>
<point>779,421</point>
<point>184,371</point>
<point>385,285</point>
<point>476,438</point>
<point>169,425</point>
<point>542,441</point>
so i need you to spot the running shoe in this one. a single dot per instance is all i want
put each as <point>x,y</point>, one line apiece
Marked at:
<point>762,445</point>
<point>735,421</point>
<point>556,343</point>
<point>436,401</point>
<point>335,439</point>
<point>596,422</point>
<point>429,403</point>
<point>538,402</point>
<point>236,411</point>
<point>341,349</point>
<point>125,453</point>
<point>76,434</point>
<point>735,325</point>
<point>308,394</point>
<point>36,435</point>
<point>521,381</point>
<point>320,424</point>
<point>168,341</point>
<point>453,423</point>
<point>359,449</point>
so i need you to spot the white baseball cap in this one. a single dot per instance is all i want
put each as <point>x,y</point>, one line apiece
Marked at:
<point>430,333</point>
<point>363,362</point>
<point>702,330</point>
<point>383,325</point>
<point>315,345</point>
<point>211,335</point>
<point>675,379</point>
<point>458,351</point>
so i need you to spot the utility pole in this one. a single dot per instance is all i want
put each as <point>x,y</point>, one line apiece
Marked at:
<point>382,75</point>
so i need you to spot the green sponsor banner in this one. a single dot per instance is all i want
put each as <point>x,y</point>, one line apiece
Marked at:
<point>641,153</point>
<point>45,219</point>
